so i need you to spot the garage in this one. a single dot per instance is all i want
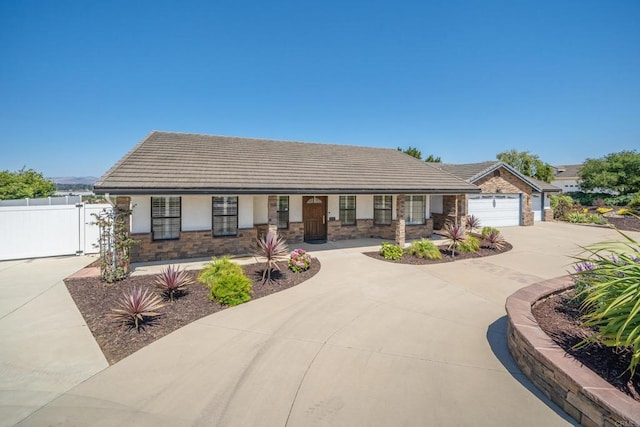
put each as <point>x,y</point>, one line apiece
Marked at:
<point>496,210</point>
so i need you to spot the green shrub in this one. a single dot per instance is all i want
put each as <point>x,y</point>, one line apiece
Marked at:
<point>424,249</point>
<point>391,252</point>
<point>226,281</point>
<point>232,289</point>
<point>470,244</point>
<point>487,230</point>
<point>561,204</point>
<point>611,293</point>
<point>635,201</point>
<point>585,218</point>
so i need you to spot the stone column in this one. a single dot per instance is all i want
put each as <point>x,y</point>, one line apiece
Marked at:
<point>273,214</point>
<point>400,221</point>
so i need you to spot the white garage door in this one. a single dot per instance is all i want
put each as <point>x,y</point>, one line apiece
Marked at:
<point>536,201</point>
<point>495,210</point>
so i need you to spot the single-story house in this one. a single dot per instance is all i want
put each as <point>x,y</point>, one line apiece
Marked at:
<point>507,197</point>
<point>567,178</point>
<point>197,195</point>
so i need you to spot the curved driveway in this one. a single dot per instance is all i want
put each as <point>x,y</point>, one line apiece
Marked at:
<point>363,343</point>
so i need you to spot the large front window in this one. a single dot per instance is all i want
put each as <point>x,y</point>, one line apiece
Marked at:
<point>283,212</point>
<point>348,210</point>
<point>414,210</point>
<point>225,216</point>
<point>165,218</point>
<point>382,207</point>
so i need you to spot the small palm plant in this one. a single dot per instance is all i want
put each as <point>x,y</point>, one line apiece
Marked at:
<point>494,239</point>
<point>456,235</point>
<point>472,223</point>
<point>272,248</point>
<point>173,282</point>
<point>136,307</point>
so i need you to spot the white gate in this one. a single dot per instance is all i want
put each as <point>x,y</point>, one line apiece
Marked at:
<point>41,231</point>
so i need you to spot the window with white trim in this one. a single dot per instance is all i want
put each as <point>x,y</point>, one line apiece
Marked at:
<point>414,210</point>
<point>348,210</point>
<point>225,216</point>
<point>382,210</point>
<point>165,218</point>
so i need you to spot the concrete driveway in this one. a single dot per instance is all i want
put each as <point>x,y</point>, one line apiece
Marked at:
<point>45,345</point>
<point>363,343</point>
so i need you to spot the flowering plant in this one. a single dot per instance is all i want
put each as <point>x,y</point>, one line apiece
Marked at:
<point>299,261</point>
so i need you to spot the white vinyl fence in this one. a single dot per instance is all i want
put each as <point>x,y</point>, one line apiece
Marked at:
<point>49,230</point>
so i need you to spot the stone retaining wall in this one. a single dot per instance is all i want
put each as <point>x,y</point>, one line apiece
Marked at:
<point>582,393</point>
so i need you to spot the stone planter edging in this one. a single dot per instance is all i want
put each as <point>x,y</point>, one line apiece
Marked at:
<point>582,393</point>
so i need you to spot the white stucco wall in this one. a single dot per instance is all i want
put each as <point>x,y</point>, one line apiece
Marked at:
<point>333,207</point>
<point>364,206</point>
<point>196,213</point>
<point>427,206</point>
<point>260,209</point>
<point>295,208</point>
<point>141,214</point>
<point>245,212</point>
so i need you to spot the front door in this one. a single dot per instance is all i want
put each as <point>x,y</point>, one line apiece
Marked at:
<point>314,215</point>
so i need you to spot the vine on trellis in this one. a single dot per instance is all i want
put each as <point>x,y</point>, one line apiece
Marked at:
<point>114,243</point>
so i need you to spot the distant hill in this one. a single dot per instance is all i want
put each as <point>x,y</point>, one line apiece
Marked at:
<point>74,180</point>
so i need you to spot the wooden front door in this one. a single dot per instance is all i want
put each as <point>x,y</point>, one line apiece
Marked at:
<point>314,215</point>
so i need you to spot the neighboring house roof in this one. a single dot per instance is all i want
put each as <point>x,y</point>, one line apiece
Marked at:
<point>472,172</point>
<point>181,163</point>
<point>567,171</point>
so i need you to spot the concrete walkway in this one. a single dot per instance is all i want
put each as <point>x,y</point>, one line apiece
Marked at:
<point>45,345</point>
<point>363,343</point>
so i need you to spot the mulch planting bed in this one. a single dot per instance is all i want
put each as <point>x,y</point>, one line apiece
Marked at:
<point>96,299</point>
<point>626,223</point>
<point>559,318</point>
<point>446,256</point>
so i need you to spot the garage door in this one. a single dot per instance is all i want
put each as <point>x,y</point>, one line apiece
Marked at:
<point>495,210</point>
<point>536,201</point>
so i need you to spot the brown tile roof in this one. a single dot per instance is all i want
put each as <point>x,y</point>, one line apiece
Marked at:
<point>471,172</point>
<point>173,163</point>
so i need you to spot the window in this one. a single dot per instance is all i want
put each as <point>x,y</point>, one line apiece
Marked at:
<point>225,216</point>
<point>348,210</point>
<point>165,218</point>
<point>414,210</point>
<point>283,212</point>
<point>382,210</point>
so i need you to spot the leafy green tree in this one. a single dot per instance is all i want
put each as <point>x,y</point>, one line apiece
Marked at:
<point>527,164</point>
<point>413,152</point>
<point>617,172</point>
<point>24,183</point>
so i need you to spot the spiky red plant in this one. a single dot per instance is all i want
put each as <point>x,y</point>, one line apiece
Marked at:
<point>136,307</point>
<point>272,248</point>
<point>456,235</point>
<point>473,222</point>
<point>495,240</point>
<point>172,281</point>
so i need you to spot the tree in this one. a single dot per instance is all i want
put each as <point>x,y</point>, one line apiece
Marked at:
<point>414,152</point>
<point>24,183</point>
<point>615,172</point>
<point>527,164</point>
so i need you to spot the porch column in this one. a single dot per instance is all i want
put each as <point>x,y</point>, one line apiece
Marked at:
<point>273,214</point>
<point>400,221</point>
<point>123,204</point>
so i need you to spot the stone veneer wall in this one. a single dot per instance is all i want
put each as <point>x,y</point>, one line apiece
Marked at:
<point>193,244</point>
<point>548,214</point>
<point>365,228</point>
<point>454,210</point>
<point>582,393</point>
<point>509,183</point>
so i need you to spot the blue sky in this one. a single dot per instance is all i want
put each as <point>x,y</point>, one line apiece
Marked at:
<point>81,82</point>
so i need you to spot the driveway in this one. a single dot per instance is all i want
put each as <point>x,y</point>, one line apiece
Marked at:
<point>45,345</point>
<point>362,343</point>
